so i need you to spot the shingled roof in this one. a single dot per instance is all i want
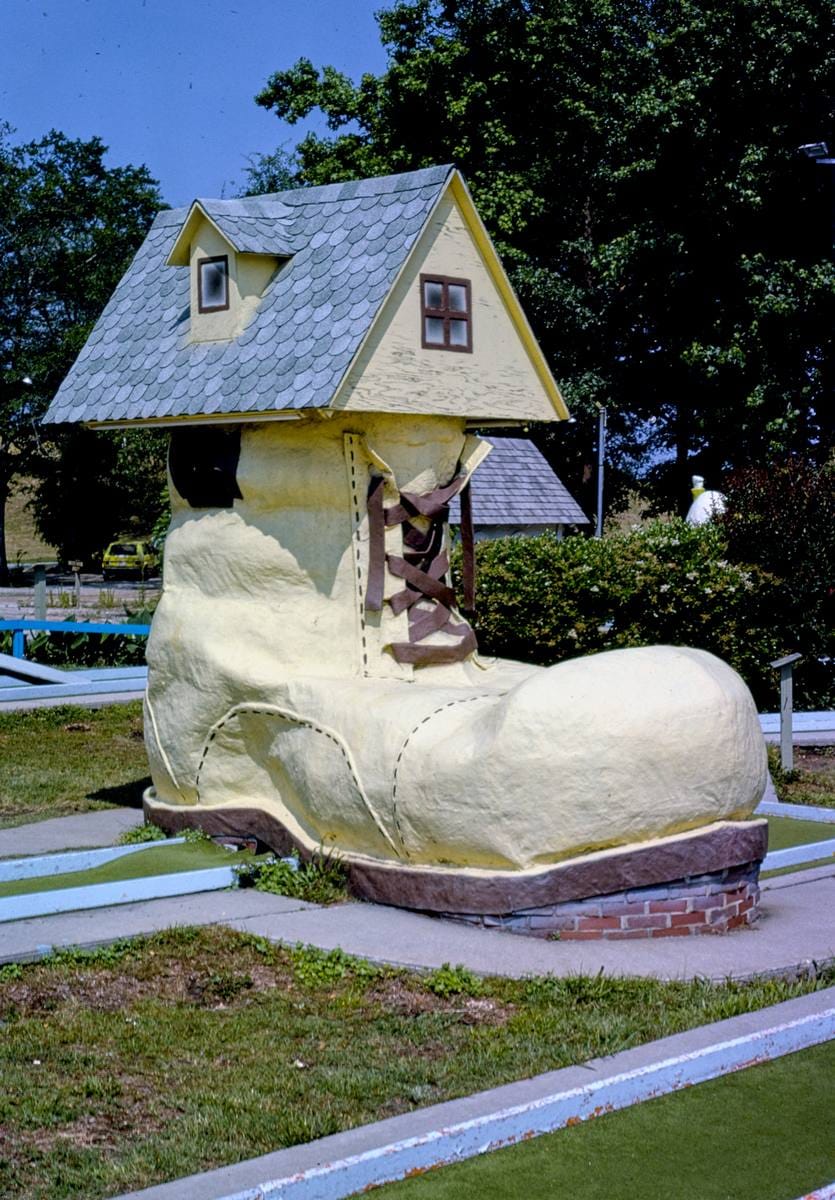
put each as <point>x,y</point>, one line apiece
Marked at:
<point>516,485</point>
<point>347,242</point>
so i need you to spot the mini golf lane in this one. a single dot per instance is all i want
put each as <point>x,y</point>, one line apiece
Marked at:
<point>63,883</point>
<point>752,1135</point>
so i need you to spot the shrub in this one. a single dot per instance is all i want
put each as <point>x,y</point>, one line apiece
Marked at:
<point>542,600</point>
<point>782,519</point>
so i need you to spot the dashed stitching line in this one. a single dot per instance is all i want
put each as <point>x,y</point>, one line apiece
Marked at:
<point>287,716</point>
<point>409,736</point>
<point>149,709</point>
<point>357,523</point>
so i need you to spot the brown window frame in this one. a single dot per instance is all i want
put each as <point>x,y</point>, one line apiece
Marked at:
<point>201,307</point>
<point>446,314</point>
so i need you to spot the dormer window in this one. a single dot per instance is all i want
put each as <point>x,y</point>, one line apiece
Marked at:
<point>446,313</point>
<point>213,283</point>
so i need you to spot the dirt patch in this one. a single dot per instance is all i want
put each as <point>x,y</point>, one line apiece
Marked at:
<point>107,990</point>
<point>135,1107</point>
<point>398,995</point>
<point>818,760</point>
<point>216,984</point>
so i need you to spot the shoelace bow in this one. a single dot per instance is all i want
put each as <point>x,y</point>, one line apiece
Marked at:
<point>423,568</point>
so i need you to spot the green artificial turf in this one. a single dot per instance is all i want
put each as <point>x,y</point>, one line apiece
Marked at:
<point>159,1057</point>
<point>64,760</point>
<point>158,859</point>
<point>765,1133</point>
<point>784,832</point>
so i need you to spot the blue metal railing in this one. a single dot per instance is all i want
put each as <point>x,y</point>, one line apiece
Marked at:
<point>19,627</point>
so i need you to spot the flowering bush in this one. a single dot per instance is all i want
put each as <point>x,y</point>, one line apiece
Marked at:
<point>542,600</point>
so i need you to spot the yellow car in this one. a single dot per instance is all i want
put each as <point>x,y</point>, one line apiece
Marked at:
<point>130,556</point>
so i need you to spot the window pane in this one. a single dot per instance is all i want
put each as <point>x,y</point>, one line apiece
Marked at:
<point>458,333</point>
<point>457,297</point>
<point>433,295</point>
<point>213,284</point>
<point>433,328</point>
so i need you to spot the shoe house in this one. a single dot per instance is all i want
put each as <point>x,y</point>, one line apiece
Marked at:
<point>320,357</point>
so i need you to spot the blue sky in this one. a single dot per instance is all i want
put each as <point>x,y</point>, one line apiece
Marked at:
<point>170,83</point>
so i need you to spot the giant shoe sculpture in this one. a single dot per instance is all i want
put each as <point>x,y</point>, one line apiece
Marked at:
<point>311,676</point>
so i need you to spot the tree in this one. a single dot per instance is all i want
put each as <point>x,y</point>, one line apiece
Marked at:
<point>637,164</point>
<point>68,227</point>
<point>99,486</point>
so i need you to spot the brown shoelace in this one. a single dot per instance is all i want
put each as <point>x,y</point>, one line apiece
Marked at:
<point>423,569</point>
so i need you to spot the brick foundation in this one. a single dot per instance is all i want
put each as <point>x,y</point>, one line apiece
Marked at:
<point>714,903</point>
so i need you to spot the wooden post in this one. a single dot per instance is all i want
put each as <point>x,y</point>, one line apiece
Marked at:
<point>40,592</point>
<point>75,567</point>
<point>786,666</point>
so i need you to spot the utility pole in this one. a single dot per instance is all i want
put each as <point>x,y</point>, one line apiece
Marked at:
<point>601,459</point>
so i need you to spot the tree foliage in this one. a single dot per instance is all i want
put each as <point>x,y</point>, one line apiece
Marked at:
<point>637,163</point>
<point>782,520</point>
<point>68,227</point>
<point>98,486</point>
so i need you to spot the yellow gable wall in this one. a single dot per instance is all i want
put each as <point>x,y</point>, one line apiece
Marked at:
<point>249,274</point>
<point>392,373</point>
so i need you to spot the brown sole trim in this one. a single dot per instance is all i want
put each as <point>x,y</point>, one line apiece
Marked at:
<point>703,852</point>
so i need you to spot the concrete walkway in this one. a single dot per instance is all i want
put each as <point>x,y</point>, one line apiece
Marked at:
<point>80,832</point>
<point>796,934</point>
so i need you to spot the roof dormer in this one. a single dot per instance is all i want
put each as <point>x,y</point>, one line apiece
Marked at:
<point>231,257</point>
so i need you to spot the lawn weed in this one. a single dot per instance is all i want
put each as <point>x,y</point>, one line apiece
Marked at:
<point>137,834</point>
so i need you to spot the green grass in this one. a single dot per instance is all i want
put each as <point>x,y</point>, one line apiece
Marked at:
<point>759,1134</point>
<point>156,860</point>
<point>193,1048</point>
<point>813,779</point>
<point>59,761</point>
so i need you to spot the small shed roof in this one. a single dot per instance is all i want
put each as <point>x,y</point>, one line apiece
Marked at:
<point>516,485</point>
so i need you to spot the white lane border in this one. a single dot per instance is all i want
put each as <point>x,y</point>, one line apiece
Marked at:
<point>793,856</point>
<point>126,891</point>
<point>391,1161</point>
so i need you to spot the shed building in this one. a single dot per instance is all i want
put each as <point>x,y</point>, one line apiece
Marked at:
<point>516,491</point>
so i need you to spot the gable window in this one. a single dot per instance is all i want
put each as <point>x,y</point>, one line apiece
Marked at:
<point>445,313</point>
<point>213,283</point>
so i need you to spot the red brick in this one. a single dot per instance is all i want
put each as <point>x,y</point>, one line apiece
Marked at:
<point>648,921</point>
<point>622,907</point>
<point>678,932</point>
<point>619,934</point>
<point>691,918</point>
<point>598,923</point>
<point>577,935</point>
<point>677,906</point>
